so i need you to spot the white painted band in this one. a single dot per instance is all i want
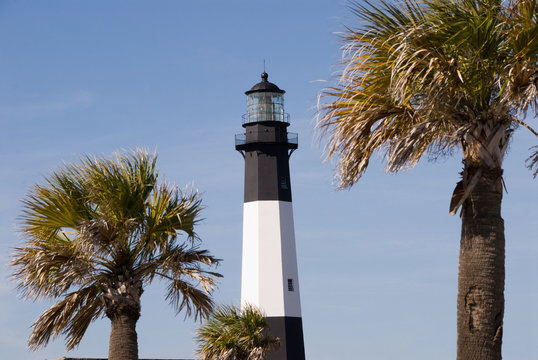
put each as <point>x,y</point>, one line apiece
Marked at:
<point>269,258</point>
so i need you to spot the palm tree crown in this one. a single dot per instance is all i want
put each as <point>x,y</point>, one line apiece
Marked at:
<point>235,334</point>
<point>96,234</point>
<point>424,77</point>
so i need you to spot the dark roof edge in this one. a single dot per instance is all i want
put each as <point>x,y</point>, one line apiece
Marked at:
<point>71,358</point>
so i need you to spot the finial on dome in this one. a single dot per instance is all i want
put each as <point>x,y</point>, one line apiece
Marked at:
<point>264,76</point>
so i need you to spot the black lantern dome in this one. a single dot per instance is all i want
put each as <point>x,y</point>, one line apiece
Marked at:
<point>265,102</point>
<point>265,86</point>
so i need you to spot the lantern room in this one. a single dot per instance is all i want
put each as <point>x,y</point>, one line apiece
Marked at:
<point>265,102</point>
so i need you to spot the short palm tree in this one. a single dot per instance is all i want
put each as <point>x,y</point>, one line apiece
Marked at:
<point>422,77</point>
<point>96,234</point>
<point>235,334</point>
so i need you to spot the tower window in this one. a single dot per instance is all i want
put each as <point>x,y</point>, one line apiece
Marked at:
<point>283,183</point>
<point>290,284</point>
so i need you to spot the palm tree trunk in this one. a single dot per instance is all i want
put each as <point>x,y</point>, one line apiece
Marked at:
<point>481,270</point>
<point>123,343</point>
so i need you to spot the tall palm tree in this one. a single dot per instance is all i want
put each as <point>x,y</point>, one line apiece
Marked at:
<point>235,334</point>
<point>96,234</point>
<point>422,77</point>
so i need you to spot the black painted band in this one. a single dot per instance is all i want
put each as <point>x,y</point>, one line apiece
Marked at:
<point>267,171</point>
<point>290,331</point>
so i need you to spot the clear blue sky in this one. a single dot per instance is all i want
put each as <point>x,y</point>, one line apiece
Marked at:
<point>377,264</point>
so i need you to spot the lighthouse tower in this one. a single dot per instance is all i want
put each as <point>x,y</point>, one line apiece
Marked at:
<point>269,273</point>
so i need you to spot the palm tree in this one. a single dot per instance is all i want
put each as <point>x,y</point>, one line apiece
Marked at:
<point>422,77</point>
<point>235,334</point>
<point>96,234</point>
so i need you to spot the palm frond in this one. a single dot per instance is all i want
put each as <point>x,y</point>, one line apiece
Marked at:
<point>60,204</point>
<point>532,161</point>
<point>119,187</point>
<point>182,266</point>
<point>520,74</point>
<point>71,317</point>
<point>183,295</point>
<point>50,268</point>
<point>170,211</point>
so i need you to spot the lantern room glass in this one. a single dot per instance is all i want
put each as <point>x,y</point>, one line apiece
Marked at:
<point>265,106</point>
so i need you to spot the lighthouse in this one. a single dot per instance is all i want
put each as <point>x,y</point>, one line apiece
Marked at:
<point>269,266</point>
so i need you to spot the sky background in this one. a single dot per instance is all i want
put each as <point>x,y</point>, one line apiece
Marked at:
<point>377,264</point>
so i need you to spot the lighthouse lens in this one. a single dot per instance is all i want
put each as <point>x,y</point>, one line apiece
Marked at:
<point>265,106</point>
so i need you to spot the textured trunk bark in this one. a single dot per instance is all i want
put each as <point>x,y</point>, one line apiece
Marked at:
<point>123,343</point>
<point>481,270</point>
